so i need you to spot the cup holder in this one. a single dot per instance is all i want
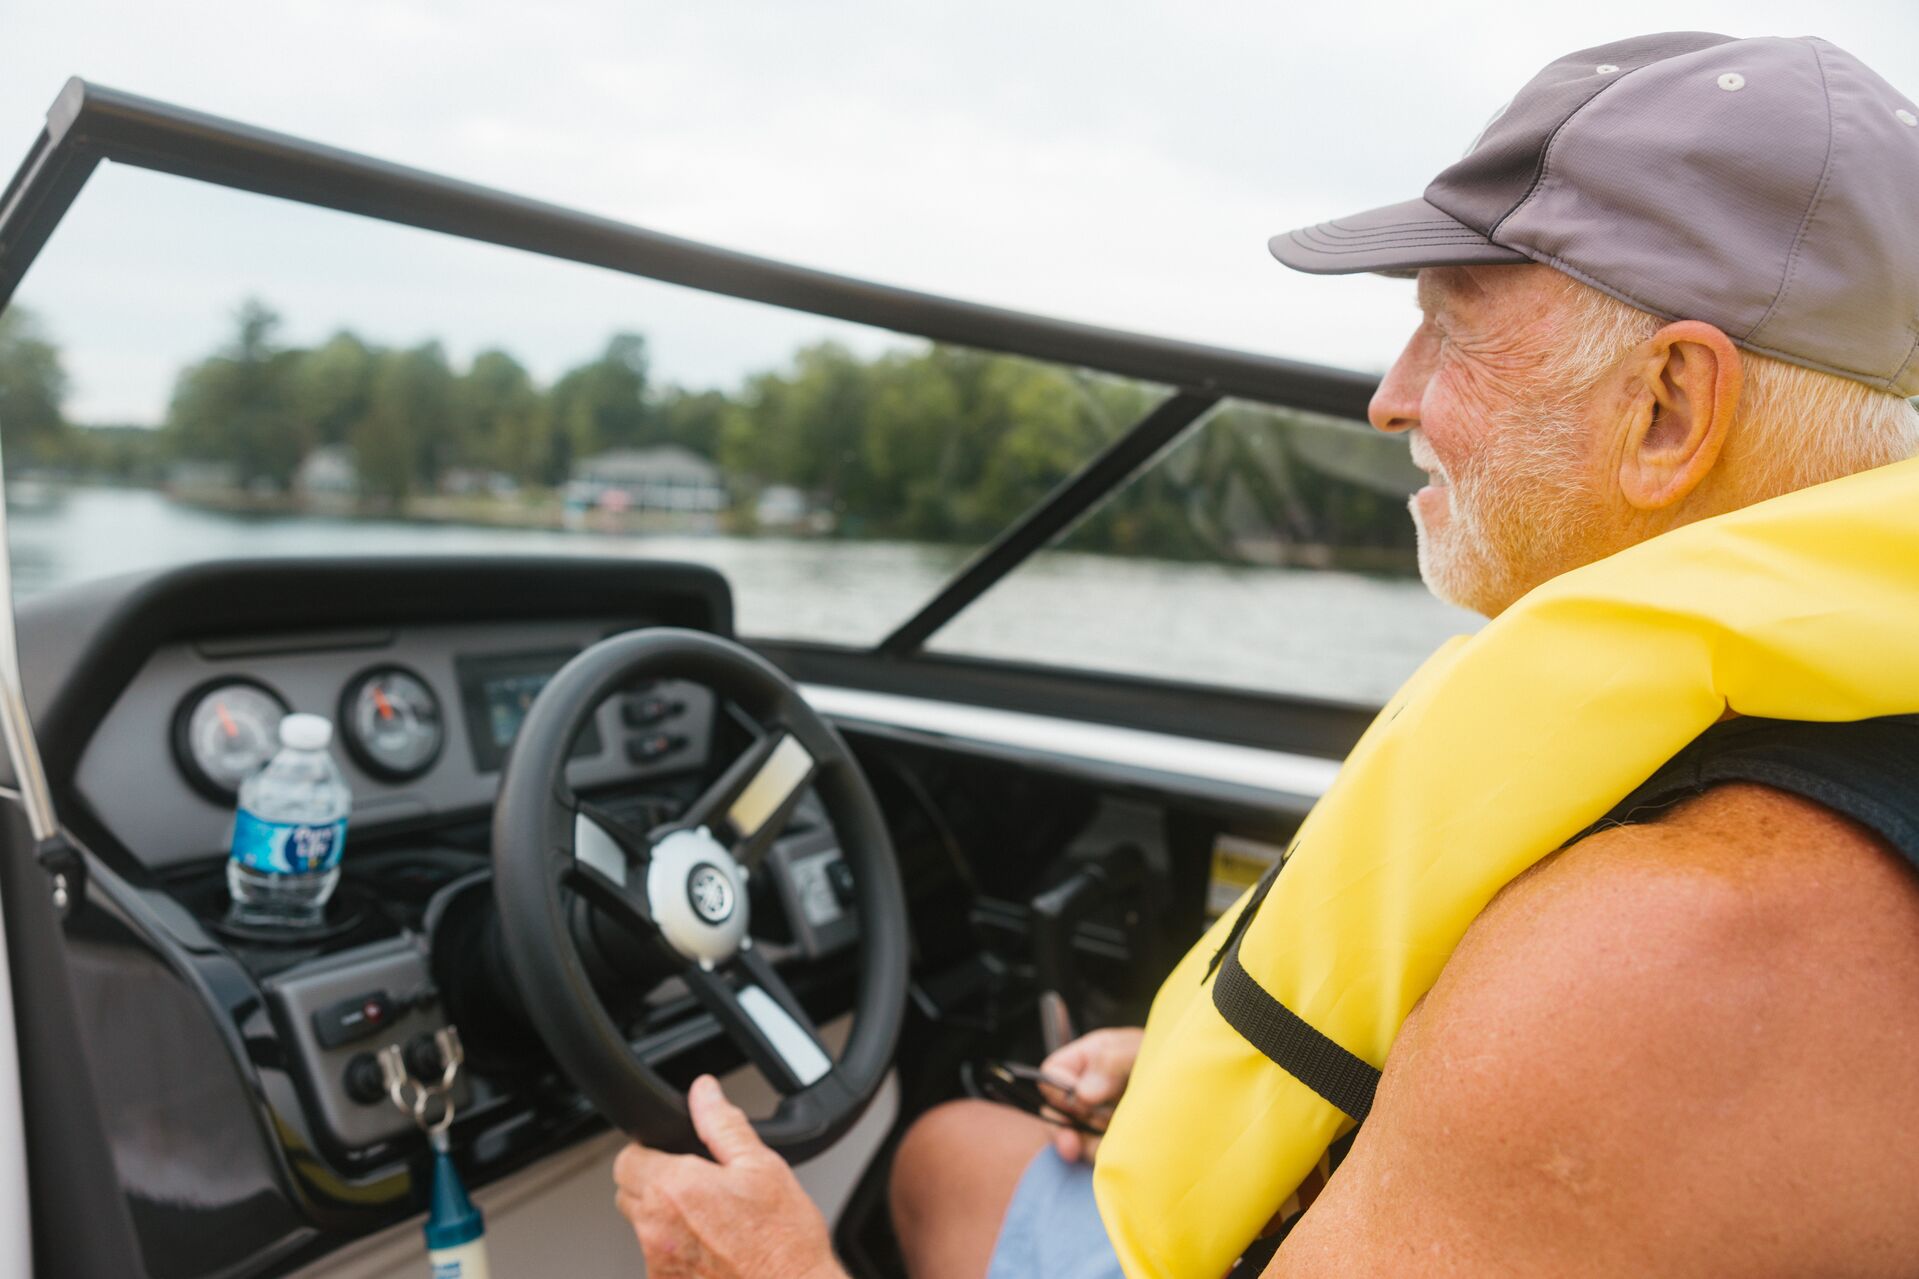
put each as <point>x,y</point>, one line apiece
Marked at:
<point>347,911</point>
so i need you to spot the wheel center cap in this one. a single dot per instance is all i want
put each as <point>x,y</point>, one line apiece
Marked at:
<point>711,893</point>
<point>697,895</point>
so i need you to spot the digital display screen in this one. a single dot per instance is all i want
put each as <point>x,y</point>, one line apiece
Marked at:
<point>498,691</point>
<point>508,699</point>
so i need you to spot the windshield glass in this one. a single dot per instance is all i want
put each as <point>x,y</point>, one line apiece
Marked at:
<point>1267,549</point>
<point>193,373</point>
<point>316,383</point>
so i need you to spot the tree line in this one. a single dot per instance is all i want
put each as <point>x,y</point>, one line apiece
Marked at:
<point>927,443</point>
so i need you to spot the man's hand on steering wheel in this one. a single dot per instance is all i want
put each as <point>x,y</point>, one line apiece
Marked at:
<point>739,1215</point>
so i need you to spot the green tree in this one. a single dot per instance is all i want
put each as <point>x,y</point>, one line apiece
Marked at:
<point>931,443</point>
<point>33,388</point>
<point>409,431</point>
<point>805,427</point>
<point>503,418</point>
<point>238,406</point>
<point>909,468</point>
<point>600,405</point>
<point>332,387</point>
<point>695,420</point>
<point>117,454</point>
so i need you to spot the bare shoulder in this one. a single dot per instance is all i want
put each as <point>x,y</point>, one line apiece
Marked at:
<point>1684,1047</point>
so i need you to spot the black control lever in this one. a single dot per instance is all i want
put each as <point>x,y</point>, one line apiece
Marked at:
<point>1056,915</point>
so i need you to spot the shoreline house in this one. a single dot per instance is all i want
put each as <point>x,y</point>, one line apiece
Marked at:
<point>666,479</point>
<point>327,482</point>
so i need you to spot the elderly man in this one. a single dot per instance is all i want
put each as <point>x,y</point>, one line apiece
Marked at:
<point>1673,279</point>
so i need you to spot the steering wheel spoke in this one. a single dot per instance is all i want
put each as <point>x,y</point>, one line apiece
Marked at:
<point>762,1016</point>
<point>625,905</point>
<point>631,842</point>
<point>754,798</point>
<point>607,865</point>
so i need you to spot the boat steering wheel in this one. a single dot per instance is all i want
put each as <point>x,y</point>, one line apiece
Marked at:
<point>682,887</point>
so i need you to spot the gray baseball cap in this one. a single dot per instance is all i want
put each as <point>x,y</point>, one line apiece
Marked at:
<point>1769,187</point>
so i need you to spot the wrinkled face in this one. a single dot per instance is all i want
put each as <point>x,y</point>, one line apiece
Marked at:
<point>1511,500</point>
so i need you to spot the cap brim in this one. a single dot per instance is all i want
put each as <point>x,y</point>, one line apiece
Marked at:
<point>1398,239</point>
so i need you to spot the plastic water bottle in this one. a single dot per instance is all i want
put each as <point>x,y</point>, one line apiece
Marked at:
<point>289,831</point>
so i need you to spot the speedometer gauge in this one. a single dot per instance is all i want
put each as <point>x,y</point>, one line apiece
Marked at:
<point>393,725</point>
<point>224,732</point>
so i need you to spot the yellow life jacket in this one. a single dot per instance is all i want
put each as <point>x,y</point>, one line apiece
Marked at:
<point>1497,751</point>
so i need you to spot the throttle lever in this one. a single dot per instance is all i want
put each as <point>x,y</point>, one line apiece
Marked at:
<point>1056,916</point>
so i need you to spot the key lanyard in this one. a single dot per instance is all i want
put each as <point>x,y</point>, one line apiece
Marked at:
<point>455,1229</point>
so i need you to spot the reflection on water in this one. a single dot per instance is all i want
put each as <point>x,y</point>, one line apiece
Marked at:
<point>1328,634</point>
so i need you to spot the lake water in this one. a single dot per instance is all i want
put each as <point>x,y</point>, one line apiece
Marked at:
<point>1328,634</point>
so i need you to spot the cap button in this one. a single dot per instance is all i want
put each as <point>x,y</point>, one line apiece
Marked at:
<point>1732,82</point>
<point>1605,68</point>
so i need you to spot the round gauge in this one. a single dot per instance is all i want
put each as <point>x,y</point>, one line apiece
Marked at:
<point>392,723</point>
<point>225,731</point>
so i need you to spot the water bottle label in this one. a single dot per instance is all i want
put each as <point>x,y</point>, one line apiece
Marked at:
<point>286,848</point>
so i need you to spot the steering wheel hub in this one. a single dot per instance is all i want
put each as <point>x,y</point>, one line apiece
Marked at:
<point>697,895</point>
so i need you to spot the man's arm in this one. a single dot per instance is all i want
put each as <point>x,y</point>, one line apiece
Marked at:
<point>1683,1048</point>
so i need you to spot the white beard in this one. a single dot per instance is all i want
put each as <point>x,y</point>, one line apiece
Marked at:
<point>1516,511</point>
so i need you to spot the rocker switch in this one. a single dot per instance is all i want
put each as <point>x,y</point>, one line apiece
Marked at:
<point>352,1019</point>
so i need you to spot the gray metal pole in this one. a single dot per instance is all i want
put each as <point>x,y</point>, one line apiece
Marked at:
<point>23,751</point>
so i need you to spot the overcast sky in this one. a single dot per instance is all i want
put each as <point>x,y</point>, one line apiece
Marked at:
<point>1116,162</point>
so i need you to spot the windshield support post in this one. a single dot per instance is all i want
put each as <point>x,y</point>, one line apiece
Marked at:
<point>1054,514</point>
<point>16,731</point>
<point>39,194</point>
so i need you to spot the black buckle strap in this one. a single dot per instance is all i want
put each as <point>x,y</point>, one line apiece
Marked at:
<point>1344,1080</point>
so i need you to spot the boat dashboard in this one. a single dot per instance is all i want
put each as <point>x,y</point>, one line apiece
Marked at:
<point>237,1067</point>
<point>424,716</point>
<point>236,1072</point>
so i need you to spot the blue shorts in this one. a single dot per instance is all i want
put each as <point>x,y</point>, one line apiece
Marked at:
<point>1052,1228</point>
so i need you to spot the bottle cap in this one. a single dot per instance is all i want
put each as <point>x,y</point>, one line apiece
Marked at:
<point>304,732</point>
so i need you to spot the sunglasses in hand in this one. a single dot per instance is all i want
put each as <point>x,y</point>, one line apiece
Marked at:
<point>1044,1096</point>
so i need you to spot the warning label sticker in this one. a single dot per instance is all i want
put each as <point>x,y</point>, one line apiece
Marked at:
<point>1238,863</point>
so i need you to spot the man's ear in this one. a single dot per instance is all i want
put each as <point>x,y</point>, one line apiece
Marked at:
<point>1680,412</point>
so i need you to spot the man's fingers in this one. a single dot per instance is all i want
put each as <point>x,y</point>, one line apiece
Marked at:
<point>724,1127</point>
<point>1109,1051</point>
<point>1067,1061</point>
<point>636,1166</point>
<point>1098,1085</point>
<point>1111,1066</point>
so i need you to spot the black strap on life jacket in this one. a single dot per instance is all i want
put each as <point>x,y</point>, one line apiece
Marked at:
<point>1866,769</point>
<point>1346,1081</point>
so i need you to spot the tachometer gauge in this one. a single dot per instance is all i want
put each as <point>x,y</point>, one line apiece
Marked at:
<point>392,722</point>
<point>223,732</point>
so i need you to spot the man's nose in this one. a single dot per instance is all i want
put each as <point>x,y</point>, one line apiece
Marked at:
<point>1394,407</point>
